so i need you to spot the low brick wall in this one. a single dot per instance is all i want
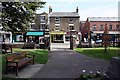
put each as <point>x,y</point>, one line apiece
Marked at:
<point>17,45</point>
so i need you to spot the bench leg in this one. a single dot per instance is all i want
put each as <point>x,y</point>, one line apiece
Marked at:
<point>33,59</point>
<point>16,71</point>
<point>6,71</point>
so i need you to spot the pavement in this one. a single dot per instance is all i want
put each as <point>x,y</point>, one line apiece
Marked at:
<point>69,64</point>
<point>26,72</point>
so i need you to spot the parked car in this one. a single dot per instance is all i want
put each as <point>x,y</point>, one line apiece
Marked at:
<point>98,41</point>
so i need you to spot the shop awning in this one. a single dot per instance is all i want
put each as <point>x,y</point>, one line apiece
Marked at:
<point>57,32</point>
<point>34,33</point>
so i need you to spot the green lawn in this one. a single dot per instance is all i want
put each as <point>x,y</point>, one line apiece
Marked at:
<point>99,52</point>
<point>41,56</point>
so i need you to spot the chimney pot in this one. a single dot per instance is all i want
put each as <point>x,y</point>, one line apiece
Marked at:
<point>77,10</point>
<point>50,9</point>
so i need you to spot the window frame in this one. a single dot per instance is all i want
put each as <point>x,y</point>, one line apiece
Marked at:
<point>71,28</point>
<point>94,27</point>
<point>117,27</point>
<point>57,28</point>
<point>57,19</point>
<point>110,27</point>
<point>70,19</point>
<point>42,18</point>
<point>101,27</point>
<point>42,27</point>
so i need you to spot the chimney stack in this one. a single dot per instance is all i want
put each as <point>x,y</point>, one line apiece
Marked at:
<point>77,10</point>
<point>50,9</point>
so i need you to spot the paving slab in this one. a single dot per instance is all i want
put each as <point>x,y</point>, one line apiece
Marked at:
<point>26,72</point>
<point>70,64</point>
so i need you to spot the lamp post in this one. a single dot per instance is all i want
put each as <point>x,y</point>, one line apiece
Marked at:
<point>71,40</point>
<point>90,36</point>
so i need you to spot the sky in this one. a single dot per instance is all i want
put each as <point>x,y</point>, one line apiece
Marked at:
<point>91,8</point>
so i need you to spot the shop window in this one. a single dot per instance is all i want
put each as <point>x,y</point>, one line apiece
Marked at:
<point>19,38</point>
<point>58,37</point>
<point>67,38</point>
<point>41,40</point>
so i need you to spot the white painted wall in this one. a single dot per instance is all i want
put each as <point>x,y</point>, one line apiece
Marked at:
<point>59,45</point>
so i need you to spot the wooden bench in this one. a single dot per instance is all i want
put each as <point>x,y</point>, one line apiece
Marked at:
<point>17,60</point>
<point>6,48</point>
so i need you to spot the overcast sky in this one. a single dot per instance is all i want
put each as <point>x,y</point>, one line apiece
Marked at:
<point>91,8</point>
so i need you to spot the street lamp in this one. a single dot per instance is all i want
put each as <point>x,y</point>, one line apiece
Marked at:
<point>71,40</point>
<point>90,36</point>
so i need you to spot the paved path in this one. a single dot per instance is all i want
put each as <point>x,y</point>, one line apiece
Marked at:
<point>26,72</point>
<point>69,64</point>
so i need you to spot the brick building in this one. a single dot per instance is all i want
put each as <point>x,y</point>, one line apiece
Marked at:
<point>39,30</point>
<point>94,28</point>
<point>62,24</point>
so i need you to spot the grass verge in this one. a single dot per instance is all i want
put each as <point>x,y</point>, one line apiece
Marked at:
<point>99,52</point>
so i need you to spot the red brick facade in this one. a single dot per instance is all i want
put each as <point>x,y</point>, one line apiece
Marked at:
<point>96,25</point>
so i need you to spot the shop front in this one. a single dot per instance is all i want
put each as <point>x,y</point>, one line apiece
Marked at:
<point>57,37</point>
<point>36,37</point>
<point>5,37</point>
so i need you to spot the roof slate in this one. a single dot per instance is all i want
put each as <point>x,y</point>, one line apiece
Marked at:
<point>104,18</point>
<point>64,14</point>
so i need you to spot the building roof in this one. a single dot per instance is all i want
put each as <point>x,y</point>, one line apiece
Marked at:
<point>104,18</point>
<point>41,13</point>
<point>82,22</point>
<point>64,14</point>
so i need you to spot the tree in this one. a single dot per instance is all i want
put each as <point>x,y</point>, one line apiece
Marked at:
<point>16,16</point>
<point>106,37</point>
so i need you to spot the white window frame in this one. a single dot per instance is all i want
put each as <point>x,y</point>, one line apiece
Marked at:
<point>70,19</point>
<point>110,27</point>
<point>73,28</point>
<point>57,28</point>
<point>94,27</point>
<point>42,27</point>
<point>101,27</point>
<point>117,27</point>
<point>57,20</point>
<point>41,18</point>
